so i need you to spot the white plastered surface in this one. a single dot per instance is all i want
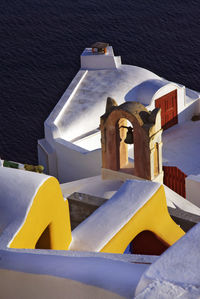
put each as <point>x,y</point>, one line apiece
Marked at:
<point>17,191</point>
<point>181,147</point>
<point>176,272</point>
<point>95,232</point>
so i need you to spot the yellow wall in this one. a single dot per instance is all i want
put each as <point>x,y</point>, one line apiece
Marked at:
<point>153,216</point>
<point>48,208</point>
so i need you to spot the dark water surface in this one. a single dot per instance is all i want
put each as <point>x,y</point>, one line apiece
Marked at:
<point>41,41</point>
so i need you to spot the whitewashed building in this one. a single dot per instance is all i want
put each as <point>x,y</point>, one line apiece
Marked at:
<point>71,149</point>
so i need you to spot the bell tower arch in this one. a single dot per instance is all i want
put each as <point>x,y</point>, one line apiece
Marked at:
<point>147,136</point>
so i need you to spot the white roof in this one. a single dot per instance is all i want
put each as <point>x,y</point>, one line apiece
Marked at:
<point>82,114</point>
<point>174,200</point>
<point>79,110</point>
<point>181,147</point>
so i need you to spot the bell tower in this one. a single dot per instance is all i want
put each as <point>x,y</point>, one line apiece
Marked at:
<point>144,134</point>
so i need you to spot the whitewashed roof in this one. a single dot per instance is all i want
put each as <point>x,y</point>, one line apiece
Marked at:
<point>82,114</point>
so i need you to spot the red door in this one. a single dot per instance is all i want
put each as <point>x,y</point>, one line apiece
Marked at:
<point>168,105</point>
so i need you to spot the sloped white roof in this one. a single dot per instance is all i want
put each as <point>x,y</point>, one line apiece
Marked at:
<point>81,106</point>
<point>83,112</point>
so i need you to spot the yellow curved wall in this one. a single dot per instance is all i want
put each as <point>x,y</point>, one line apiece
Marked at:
<point>48,208</point>
<point>153,216</point>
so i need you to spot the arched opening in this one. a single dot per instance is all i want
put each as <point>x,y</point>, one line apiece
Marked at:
<point>148,243</point>
<point>44,242</point>
<point>125,142</point>
<point>114,153</point>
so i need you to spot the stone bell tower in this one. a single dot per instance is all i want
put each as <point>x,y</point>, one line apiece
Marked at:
<point>147,138</point>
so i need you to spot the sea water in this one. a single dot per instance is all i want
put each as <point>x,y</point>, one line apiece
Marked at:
<point>41,43</point>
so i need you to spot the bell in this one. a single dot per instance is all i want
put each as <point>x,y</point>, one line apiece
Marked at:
<point>129,136</point>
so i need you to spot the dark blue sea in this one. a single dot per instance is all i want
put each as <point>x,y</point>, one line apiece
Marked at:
<point>41,42</point>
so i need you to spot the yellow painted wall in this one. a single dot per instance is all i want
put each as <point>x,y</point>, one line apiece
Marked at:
<point>153,216</point>
<point>48,208</point>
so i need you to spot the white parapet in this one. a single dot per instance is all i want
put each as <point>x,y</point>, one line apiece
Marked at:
<point>193,189</point>
<point>90,60</point>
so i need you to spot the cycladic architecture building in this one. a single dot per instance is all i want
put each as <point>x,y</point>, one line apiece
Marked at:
<point>71,148</point>
<point>120,123</point>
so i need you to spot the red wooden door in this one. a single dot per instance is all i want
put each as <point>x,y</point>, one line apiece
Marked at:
<point>168,105</point>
